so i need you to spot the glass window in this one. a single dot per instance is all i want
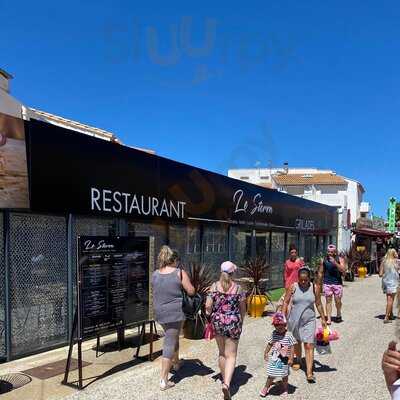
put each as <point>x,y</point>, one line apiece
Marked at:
<point>185,239</point>
<point>314,246</point>
<point>215,246</point>
<point>277,259</point>
<point>302,246</point>
<point>292,239</point>
<point>262,244</point>
<point>308,248</point>
<point>320,247</point>
<point>277,248</point>
<point>240,245</point>
<point>193,240</point>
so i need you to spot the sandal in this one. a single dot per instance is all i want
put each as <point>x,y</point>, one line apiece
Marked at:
<point>264,392</point>
<point>226,392</point>
<point>165,385</point>
<point>311,378</point>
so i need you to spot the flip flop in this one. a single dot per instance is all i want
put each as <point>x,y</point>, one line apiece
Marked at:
<point>264,392</point>
<point>311,379</point>
<point>165,385</point>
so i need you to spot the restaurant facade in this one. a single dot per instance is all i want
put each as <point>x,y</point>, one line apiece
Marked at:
<point>66,183</point>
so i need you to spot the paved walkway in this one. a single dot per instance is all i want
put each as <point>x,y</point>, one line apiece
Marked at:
<point>352,371</point>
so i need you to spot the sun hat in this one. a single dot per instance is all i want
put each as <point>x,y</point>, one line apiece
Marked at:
<point>331,247</point>
<point>279,319</point>
<point>229,267</point>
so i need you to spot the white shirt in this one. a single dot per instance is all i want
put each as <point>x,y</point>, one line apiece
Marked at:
<point>395,390</point>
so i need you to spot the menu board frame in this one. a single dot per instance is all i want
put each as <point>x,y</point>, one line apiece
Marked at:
<point>104,248</point>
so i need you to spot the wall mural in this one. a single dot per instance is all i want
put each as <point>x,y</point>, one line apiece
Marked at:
<point>13,166</point>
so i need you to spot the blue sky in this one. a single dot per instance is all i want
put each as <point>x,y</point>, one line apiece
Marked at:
<point>304,82</point>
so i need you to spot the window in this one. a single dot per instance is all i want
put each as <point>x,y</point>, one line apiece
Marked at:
<point>262,244</point>
<point>244,178</point>
<point>277,259</point>
<point>193,240</point>
<point>215,246</point>
<point>240,245</point>
<point>265,177</point>
<point>277,248</point>
<point>291,240</point>
<point>215,242</point>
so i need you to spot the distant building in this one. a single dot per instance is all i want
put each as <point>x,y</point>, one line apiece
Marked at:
<point>322,186</point>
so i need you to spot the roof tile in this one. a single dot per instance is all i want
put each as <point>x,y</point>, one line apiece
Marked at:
<point>309,179</point>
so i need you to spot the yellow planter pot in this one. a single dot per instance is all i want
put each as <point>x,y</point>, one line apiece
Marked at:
<point>256,305</point>
<point>362,272</point>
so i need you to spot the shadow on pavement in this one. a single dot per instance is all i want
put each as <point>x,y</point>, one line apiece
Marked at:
<point>382,317</point>
<point>240,378</point>
<point>130,342</point>
<point>276,389</point>
<point>319,367</point>
<point>117,368</point>
<point>191,368</point>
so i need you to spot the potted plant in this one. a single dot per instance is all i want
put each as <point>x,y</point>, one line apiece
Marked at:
<point>201,276</point>
<point>255,271</point>
<point>358,261</point>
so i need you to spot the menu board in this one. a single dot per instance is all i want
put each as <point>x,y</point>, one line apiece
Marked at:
<point>113,283</point>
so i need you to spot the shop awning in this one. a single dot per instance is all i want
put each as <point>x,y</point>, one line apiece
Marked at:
<point>371,232</point>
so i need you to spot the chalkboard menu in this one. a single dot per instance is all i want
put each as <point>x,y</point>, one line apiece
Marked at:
<point>113,283</point>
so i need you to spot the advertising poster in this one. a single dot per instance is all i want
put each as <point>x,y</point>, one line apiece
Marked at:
<point>77,173</point>
<point>14,191</point>
<point>113,283</point>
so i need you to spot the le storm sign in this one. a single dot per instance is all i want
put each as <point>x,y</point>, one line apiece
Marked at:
<point>71,172</point>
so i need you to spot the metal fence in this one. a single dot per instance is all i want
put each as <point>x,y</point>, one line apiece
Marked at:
<point>38,282</point>
<point>41,278</point>
<point>2,294</point>
<point>38,268</point>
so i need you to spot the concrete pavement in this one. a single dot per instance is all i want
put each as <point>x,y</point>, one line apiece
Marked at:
<point>351,372</point>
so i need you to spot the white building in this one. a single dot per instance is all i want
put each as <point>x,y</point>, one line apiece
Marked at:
<point>322,186</point>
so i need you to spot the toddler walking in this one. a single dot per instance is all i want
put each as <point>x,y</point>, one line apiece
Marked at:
<point>282,344</point>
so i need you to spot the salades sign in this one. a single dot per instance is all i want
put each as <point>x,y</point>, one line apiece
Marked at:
<point>70,172</point>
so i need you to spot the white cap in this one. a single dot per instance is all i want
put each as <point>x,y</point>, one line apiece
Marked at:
<point>228,266</point>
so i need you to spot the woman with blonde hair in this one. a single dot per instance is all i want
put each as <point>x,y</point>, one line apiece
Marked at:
<point>168,281</point>
<point>226,307</point>
<point>389,272</point>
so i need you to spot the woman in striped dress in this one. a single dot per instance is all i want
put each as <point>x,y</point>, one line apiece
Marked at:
<point>282,344</point>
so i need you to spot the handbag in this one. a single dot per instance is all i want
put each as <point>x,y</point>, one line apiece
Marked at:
<point>209,332</point>
<point>191,305</point>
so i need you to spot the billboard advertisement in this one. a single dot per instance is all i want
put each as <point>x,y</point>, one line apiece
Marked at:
<point>14,191</point>
<point>71,172</point>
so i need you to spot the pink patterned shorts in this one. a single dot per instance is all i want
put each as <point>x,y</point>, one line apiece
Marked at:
<point>333,290</point>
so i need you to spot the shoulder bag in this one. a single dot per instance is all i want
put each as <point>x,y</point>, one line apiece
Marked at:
<point>191,305</point>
